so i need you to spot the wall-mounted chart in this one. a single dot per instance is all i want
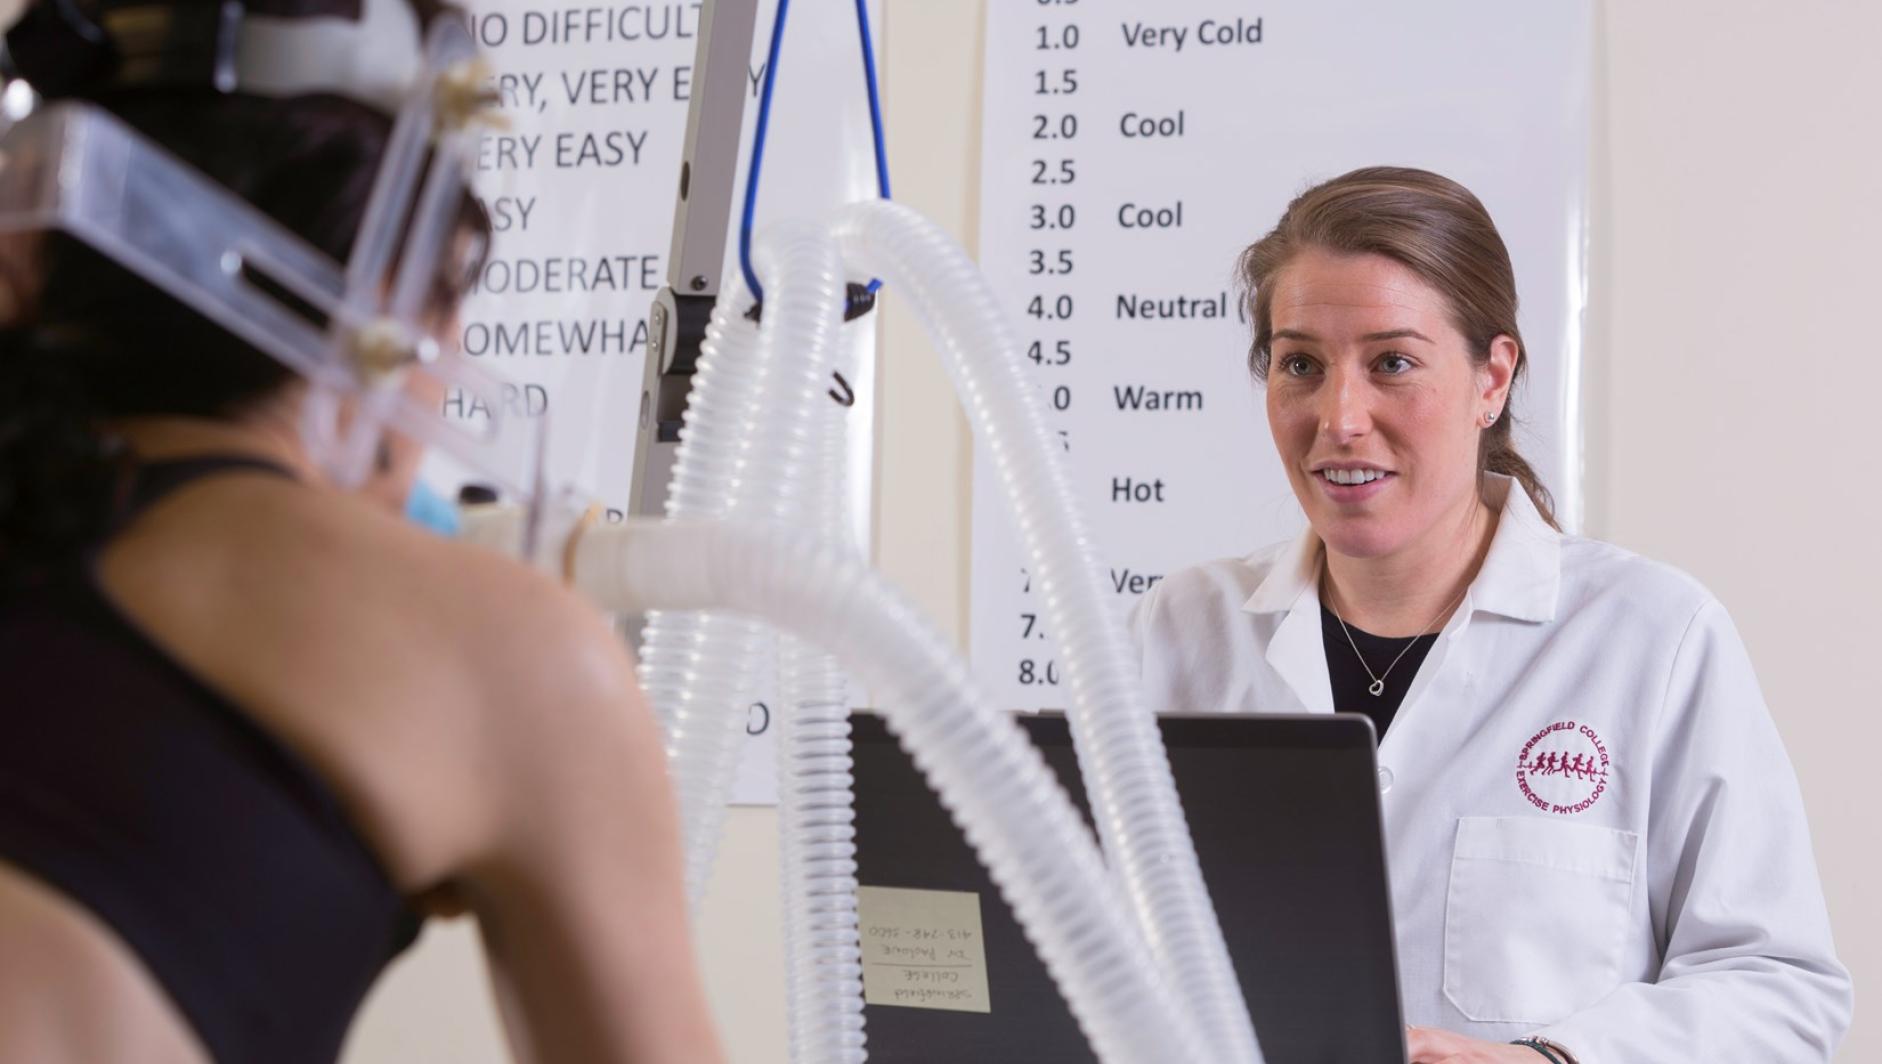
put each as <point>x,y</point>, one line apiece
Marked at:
<point>1131,151</point>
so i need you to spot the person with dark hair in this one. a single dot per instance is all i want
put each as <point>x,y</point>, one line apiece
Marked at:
<point>1597,844</point>
<point>258,728</point>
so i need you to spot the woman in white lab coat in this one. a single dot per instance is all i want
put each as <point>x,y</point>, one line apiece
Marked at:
<point>1597,845</point>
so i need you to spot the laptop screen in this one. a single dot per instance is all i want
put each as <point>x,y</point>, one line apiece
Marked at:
<point>1284,812</point>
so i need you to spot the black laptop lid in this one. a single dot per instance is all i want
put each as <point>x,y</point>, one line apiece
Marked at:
<point>1285,816</point>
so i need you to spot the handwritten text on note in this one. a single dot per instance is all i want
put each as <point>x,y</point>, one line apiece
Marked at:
<point>923,949</point>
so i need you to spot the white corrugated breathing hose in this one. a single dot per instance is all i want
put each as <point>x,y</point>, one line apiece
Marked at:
<point>997,787</point>
<point>1120,749</point>
<point>816,807</point>
<point>741,458</point>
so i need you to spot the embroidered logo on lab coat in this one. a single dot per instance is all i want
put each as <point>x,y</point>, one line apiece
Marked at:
<point>1563,768</point>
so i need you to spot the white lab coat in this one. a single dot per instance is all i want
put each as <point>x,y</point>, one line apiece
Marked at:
<point>1639,886</point>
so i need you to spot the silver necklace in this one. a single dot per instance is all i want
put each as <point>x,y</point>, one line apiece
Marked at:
<point>1378,679</point>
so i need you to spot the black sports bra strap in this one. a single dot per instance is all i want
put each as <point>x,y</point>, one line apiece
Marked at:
<point>155,480</point>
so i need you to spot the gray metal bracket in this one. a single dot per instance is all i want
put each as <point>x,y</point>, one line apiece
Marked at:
<point>702,219</point>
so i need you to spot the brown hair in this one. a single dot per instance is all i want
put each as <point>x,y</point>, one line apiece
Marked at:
<point>1437,229</point>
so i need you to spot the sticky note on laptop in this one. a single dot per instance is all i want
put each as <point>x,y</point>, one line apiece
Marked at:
<point>923,949</point>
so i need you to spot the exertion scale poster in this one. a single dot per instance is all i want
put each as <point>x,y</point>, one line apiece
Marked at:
<point>580,180</point>
<point>1131,150</point>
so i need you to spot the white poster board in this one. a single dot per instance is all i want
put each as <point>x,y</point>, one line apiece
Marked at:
<point>1131,151</point>
<point>581,186</point>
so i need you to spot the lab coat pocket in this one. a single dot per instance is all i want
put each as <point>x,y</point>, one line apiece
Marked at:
<point>1536,917</point>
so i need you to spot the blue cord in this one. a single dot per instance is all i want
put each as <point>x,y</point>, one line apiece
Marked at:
<point>764,123</point>
<point>875,112</point>
<point>758,153</point>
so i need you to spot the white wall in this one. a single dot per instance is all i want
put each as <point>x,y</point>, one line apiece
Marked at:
<point>1737,282</point>
<point>1738,216</point>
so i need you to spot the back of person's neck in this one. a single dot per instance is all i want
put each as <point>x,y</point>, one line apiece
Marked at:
<point>162,438</point>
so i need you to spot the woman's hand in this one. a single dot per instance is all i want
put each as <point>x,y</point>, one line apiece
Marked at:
<point>1432,1046</point>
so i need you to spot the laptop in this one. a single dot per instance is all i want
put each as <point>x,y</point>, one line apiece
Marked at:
<point>1284,811</point>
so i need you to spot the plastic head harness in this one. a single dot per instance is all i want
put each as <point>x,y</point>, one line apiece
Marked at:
<point>355,330</point>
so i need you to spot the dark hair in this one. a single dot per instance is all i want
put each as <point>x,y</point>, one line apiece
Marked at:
<point>1434,227</point>
<point>92,341</point>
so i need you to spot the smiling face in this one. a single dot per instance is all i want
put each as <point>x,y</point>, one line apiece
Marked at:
<point>1376,404</point>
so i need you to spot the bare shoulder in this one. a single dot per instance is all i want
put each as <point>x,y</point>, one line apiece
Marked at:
<point>536,679</point>
<point>434,683</point>
<point>515,631</point>
<point>482,726</point>
<point>334,579</point>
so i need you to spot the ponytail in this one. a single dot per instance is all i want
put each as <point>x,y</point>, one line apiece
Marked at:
<point>1499,455</point>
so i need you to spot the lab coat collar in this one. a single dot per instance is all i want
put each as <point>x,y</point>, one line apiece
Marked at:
<point>1292,588</point>
<point>1521,576</point>
<point>1295,573</point>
